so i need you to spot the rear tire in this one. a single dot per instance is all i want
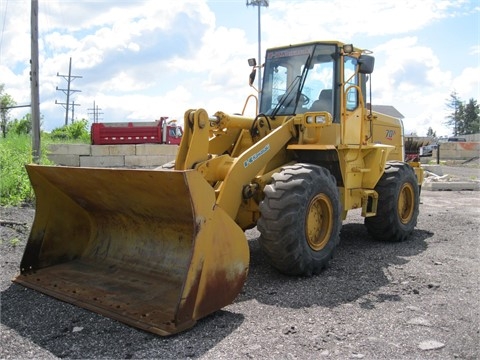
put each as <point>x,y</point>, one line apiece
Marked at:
<point>398,202</point>
<point>300,219</point>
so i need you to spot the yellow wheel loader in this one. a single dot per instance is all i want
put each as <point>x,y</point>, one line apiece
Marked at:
<point>159,249</point>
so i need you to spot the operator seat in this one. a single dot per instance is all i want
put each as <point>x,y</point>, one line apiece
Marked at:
<point>324,102</point>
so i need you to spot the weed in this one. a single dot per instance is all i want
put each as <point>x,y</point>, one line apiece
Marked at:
<point>15,153</point>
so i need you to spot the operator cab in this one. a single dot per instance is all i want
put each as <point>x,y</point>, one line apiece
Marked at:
<point>303,78</point>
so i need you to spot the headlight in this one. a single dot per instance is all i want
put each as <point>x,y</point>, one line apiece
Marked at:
<point>317,119</point>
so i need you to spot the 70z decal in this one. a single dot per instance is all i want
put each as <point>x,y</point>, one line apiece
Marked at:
<point>389,134</point>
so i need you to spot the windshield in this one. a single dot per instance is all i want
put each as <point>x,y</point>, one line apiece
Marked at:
<point>298,79</point>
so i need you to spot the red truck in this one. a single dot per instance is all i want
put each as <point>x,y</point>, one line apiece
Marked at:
<point>156,132</point>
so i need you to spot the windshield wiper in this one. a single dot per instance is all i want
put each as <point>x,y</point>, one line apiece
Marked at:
<point>287,95</point>
<point>303,78</point>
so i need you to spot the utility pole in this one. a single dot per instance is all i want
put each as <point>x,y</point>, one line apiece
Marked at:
<point>259,3</point>
<point>95,112</point>
<point>69,78</point>
<point>73,110</point>
<point>34,87</point>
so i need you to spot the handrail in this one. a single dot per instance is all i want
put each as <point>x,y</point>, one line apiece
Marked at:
<point>246,102</point>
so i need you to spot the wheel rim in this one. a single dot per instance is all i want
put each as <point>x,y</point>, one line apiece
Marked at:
<point>406,202</point>
<point>319,222</point>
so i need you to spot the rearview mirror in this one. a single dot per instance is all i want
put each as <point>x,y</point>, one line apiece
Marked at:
<point>252,62</point>
<point>366,64</point>
<point>252,77</point>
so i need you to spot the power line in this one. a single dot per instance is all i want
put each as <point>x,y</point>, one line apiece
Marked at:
<point>3,27</point>
<point>95,112</point>
<point>68,91</point>
<point>13,107</point>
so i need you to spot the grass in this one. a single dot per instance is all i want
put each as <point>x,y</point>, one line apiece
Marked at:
<point>15,153</point>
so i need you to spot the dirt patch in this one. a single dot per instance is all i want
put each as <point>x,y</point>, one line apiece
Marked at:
<point>418,299</point>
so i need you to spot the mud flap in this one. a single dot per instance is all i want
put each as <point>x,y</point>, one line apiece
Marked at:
<point>149,248</point>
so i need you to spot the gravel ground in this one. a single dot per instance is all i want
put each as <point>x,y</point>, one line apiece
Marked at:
<point>413,300</point>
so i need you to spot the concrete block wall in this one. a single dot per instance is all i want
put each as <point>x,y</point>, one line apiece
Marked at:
<point>459,150</point>
<point>456,151</point>
<point>129,156</point>
<point>153,155</point>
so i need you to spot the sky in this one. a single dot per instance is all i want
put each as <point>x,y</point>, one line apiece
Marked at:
<point>140,60</point>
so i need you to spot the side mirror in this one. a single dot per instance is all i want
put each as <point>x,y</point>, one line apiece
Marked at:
<point>252,62</point>
<point>252,77</point>
<point>366,64</point>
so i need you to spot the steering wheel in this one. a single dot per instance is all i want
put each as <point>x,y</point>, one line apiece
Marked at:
<point>304,99</point>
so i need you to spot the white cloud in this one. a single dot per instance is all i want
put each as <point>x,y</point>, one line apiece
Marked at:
<point>297,21</point>
<point>467,85</point>
<point>475,49</point>
<point>144,59</point>
<point>410,77</point>
<point>409,67</point>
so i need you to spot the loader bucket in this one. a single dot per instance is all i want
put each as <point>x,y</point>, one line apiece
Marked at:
<point>149,248</point>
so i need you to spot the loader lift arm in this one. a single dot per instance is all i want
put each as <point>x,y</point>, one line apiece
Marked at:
<point>228,174</point>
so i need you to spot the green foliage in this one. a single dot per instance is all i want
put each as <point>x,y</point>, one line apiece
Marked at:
<point>77,130</point>
<point>471,118</point>
<point>15,153</point>
<point>464,118</point>
<point>6,101</point>
<point>20,127</point>
<point>431,133</point>
<point>454,105</point>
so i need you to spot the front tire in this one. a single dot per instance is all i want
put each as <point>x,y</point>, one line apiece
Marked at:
<point>398,203</point>
<point>300,219</point>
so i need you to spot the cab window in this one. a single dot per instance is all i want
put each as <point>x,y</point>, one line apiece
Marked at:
<point>350,79</point>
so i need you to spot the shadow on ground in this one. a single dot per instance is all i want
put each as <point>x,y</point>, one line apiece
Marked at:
<point>343,281</point>
<point>67,331</point>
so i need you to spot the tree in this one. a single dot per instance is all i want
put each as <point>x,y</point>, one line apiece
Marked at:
<point>471,118</point>
<point>431,133</point>
<point>454,104</point>
<point>460,119</point>
<point>22,126</point>
<point>6,102</point>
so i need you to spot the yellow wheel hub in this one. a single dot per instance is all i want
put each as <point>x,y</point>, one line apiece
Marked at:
<point>406,201</point>
<point>319,222</point>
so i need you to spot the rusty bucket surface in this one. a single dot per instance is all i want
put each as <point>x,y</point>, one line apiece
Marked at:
<point>146,247</point>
